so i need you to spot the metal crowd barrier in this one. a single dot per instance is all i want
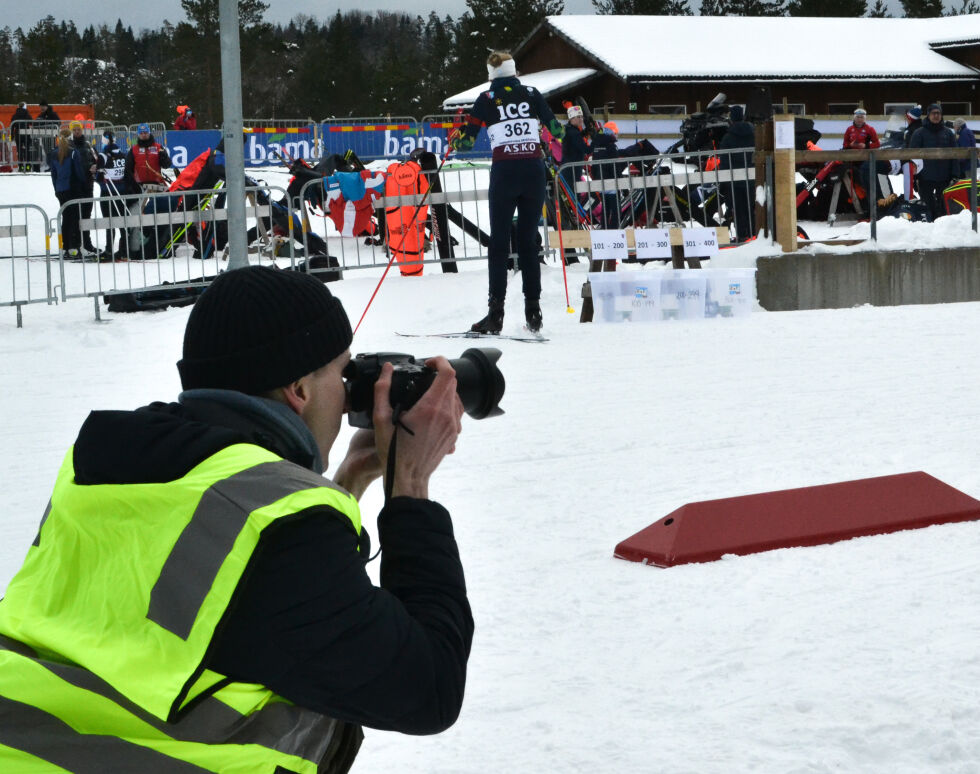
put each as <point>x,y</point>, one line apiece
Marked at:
<point>34,140</point>
<point>167,239</point>
<point>25,271</point>
<point>706,188</point>
<point>459,207</point>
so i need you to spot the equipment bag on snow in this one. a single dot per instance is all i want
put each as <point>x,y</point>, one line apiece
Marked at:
<point>406,224</point>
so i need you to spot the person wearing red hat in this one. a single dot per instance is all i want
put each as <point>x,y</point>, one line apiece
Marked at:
<point>185,118</point>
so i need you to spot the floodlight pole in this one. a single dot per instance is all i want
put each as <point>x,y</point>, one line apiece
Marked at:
<point>231,132</point>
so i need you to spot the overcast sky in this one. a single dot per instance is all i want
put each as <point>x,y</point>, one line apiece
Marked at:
<point>139,13</point>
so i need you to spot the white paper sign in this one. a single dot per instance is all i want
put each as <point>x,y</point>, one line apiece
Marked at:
<point>785,134</point>
<point>700,242</point>
<point>609,245</point>
<point>652,243</point>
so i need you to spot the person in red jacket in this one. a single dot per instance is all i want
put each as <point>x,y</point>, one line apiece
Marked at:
<point>861,135</point>
<point>185,118</point>
<point>145,162</point>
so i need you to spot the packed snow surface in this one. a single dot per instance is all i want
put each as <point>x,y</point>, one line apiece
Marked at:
<point>860,656</point>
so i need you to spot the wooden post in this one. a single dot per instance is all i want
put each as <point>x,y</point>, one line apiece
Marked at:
<point>784,182</point>
<point>763,149</point>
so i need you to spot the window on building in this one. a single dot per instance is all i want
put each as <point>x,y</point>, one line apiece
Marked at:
<point>842,108</point>
<point>668,110</point>
<point>796,108</point>
<point>953,109</point>
<point>898,108</point>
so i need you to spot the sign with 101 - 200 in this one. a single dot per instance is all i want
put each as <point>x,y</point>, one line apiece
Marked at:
<point>609,245</point>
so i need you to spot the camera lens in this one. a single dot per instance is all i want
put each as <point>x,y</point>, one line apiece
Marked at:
<point>479,382</point>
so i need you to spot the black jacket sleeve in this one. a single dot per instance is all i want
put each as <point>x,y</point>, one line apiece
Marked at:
<point>573,145</point>
<point>308,623</point>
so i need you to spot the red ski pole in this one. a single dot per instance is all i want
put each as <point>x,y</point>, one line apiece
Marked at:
<point>418,209</point>
<point>561,245</point>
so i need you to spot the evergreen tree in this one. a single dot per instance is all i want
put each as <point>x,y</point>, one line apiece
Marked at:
<point>42,59</point>
<point>879,11</point>
<point>9,89</point>
<point>968,6</point>
<point>197,50</point>
<point>498,24</point>
<point>754,8</point>
<point>922,9</point>
<point>712,8</point>
<point>841,8</point>
<point>642,7</point>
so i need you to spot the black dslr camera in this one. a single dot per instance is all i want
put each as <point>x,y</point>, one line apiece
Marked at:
<point>479,382</point>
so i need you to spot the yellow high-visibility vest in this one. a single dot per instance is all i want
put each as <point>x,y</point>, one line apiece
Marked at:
<point>105,629</point>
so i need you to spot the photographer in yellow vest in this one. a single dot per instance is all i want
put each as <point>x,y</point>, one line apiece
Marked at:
<point>196,597</point>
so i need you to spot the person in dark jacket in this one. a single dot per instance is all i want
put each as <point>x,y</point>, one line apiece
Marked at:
<point>112,185</point>
<point>20,122</point>
<point>47,112</point>
<point>221,614</point>
<point>936,173</point>
<point>574,146</point>
<point>913,122</point>
<point>513,114</point>
<point>964,139</point>
<point>61,166</point>
<point>605,167</point>
<point>739,195</point>
<point>83,181</point>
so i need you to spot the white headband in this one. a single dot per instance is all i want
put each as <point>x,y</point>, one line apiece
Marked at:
<point>507,69</point>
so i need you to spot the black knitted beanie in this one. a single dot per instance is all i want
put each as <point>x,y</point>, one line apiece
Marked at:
<point>258,328</point>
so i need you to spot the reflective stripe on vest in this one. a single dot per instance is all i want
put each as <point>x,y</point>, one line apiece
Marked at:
<point>67,716</point>
<point>129,583</point>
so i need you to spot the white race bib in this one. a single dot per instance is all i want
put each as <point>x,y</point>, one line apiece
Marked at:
<point>514,130</point>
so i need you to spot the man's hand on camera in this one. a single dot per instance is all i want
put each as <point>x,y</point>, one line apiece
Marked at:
<point>434,421</point>
<point>361,466</point>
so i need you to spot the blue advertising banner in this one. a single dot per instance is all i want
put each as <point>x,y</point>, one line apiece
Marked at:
<point>369,141</point>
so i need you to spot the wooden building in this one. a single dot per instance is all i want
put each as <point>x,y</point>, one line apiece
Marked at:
<point>813,66</point>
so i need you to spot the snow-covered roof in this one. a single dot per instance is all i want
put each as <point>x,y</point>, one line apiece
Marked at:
<point>545,81</point>
<point>786,47</point>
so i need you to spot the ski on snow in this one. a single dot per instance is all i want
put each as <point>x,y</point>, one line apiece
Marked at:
<point>527,337</point>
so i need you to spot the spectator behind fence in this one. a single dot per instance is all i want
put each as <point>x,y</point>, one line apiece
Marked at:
<point>936,173</point>
<point>145,163</point>
<point>739,195</point>
<point>186,119</point>
<point>61,165</point>
<point>47,112</point>
<point>112,183</point>
<point>83,184</point>
<point>964,139</point>
<point>861,135</point>
<point>604,167</point>
<point>205,603</point>
<point>19,124</point>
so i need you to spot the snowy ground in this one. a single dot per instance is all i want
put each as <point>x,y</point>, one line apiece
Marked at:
<point>856,657</point>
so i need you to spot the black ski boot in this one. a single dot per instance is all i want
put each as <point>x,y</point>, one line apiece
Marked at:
<point>494,320</point>
<point>532,313</point>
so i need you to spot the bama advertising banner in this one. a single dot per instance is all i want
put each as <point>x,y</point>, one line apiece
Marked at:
<point>267,148</point>
<point>261,149</point>
<point>393,141</point>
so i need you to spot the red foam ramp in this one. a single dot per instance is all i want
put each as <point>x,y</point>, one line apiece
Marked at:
<point>706,531</point>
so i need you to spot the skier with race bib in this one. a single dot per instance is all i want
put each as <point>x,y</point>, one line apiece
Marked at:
<point>514,115</point>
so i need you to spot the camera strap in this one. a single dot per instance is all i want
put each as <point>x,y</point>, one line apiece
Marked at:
<point>396,420</point>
